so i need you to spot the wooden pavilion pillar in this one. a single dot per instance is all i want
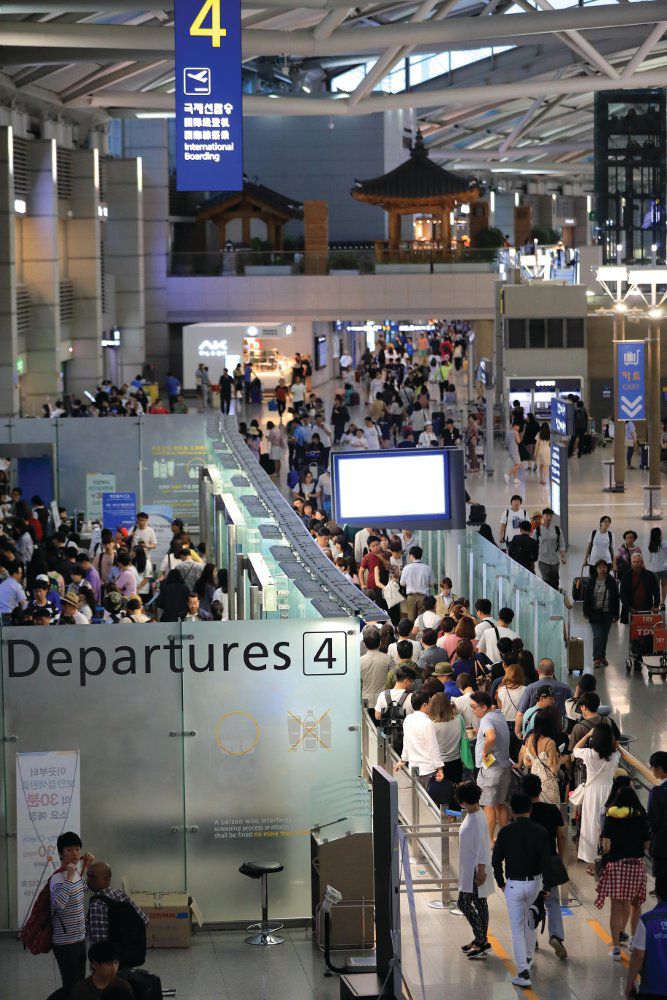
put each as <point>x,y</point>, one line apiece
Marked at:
<point>394,229</point>
<point>245,230</point>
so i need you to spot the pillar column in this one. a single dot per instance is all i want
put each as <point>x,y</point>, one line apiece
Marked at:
<point>85,272</point>
<point>149,140</point>
<point>316,236</point>
<point>41,273</point>
<point>653,424</point>
<point>619,425</point>
<point>9,397</point>
<point>394,230</point>
<point>124,259</point>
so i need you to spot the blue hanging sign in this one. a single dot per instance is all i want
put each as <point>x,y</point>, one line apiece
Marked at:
<point>209,115</point>
<point>631,380</point>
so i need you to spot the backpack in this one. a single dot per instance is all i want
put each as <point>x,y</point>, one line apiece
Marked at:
<point>37,932</point>
<point>126,930</point>
<point>393,717</point>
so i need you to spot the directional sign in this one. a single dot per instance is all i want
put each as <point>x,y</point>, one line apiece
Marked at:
<point>209,123</point>
<point>631,380</point>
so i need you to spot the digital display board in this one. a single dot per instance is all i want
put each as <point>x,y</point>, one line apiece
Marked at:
<point>562,417</point>
<point>420,488</point>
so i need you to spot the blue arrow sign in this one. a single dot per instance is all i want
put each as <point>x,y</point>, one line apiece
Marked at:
<point>631,380</point>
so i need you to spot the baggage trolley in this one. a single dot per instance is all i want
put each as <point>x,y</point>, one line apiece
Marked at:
<point>648,638</point>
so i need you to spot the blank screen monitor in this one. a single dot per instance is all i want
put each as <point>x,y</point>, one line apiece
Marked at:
<point>399,488</point>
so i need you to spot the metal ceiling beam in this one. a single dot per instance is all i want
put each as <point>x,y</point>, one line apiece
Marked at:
<point>346,41</point>
<point>386,63</point>
<point>585,47</point>
<point>645,48</point>
<point>331,21</point>
<point>132,6</point>
<point>106,76</point>
<point>256,104</point>
<point>521,125</point>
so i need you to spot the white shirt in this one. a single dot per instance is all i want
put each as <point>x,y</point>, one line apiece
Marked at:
<point>395,694</point>
<point>426,439</point>
<point>298,391</point>
<point>474,850</point>
<point>482,626</point>
<point>393,655</point>
<point>420,743</point>
<point>145,535</point>
<point>657,561</point>
<point>417,578</point>
<point>372,437</point>
<point>602,547</point>
<point>427,619</point>
<point>221,596</point>
<point>513,518</point>
<point>345,361</point>
<point>360,542</point>
<point>488,642</point>
<point>463,707</point>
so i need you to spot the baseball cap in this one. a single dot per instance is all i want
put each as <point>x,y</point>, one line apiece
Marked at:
<point>42,578</point>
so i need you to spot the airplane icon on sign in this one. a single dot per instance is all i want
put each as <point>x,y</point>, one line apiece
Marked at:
<point>197,81</point>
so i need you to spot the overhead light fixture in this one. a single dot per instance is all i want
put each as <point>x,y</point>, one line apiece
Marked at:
<point>655,313</point>
<point>620,307</point>
<point>20,206</point>
<point>252,331</point>
<point>305,89</point>
<point>274,96</point>
<point>156,114</point>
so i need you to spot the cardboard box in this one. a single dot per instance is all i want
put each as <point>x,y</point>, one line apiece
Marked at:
<point>170,916</point>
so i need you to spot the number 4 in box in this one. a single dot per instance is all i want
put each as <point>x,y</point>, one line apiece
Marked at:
<point>324,654</point>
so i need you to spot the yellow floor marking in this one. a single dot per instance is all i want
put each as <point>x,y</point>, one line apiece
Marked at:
<point>498,950</point>
<point>606,937</point>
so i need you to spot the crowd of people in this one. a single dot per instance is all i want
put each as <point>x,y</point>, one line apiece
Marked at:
<point>48,576</point>
<point>487,730</point>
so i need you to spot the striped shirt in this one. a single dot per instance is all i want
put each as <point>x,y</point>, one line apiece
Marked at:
<point>68,917</point>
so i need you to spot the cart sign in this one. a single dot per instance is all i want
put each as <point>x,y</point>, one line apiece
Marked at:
<point>209,118</point>
<point>631,395</point>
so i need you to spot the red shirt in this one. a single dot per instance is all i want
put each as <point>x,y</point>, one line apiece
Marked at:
<point>159,409</point>
<point>372,562</point>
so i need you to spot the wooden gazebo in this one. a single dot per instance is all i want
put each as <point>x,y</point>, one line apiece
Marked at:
<point>416,187</point>
<point>255,201</point>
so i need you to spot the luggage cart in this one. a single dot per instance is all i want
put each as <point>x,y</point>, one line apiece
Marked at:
<point>648,638</point>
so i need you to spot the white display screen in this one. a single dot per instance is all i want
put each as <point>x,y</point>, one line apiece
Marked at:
<point>392,487</point>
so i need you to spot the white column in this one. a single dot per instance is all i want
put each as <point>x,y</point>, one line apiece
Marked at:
<point>9,399</point>
<point>124,258</point>
<point>41,273</point>
<point>84,271</point>
<point>149,140</point>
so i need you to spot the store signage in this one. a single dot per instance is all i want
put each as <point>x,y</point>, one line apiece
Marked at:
<point>209,117</point>
<point>631,379</point>
<point>97,484</point>
<point>48,796</point>
<point>113,340</point>
<point>213,349</point>
<point>562,417</point>
<point>119,510</point>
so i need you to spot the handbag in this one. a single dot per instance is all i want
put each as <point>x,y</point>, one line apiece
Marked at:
<point>556,873</point>
<point>465,750</point>
<point>577,796</point>
<point>392,593</point>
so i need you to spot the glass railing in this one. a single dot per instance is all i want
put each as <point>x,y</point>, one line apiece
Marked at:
<point>379,259</point>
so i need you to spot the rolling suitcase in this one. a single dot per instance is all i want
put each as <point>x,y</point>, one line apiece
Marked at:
<point>579,585</point>
<point>575,650</point>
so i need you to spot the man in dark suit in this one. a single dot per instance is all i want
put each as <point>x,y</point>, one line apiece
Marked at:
<point>657,813</point>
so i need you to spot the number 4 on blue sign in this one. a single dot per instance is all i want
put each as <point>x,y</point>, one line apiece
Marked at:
<point>215,32</point>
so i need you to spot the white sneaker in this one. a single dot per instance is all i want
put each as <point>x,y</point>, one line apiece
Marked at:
<point>615,954</point>
<point>522,979</point>
<point>506,478</point>
<point>517,482</point>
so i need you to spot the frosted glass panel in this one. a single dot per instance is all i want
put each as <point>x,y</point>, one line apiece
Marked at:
<point>272,732</point>
<point>172,451</point>
<point>115,450</point>
<point>131,767</point>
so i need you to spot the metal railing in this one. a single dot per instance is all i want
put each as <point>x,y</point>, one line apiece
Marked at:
<point>356,260</point>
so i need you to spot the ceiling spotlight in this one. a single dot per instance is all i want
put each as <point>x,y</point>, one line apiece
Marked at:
<point>620,307</point>
<point>655,313</point>
<point>305,89</point>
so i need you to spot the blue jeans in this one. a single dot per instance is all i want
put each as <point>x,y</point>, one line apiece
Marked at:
<point>554,914</point>
<point>601,629</point>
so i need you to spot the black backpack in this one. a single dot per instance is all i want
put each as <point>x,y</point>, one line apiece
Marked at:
<point>393,717</point>
<point>126,930</point>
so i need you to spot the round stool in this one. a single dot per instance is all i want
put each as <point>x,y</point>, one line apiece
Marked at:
<point>263,931</point>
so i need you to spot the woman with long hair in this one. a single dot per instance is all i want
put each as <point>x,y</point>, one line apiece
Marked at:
<point>526,661</point>
<point>463,660</point>
<point>387,636</point>
<point>508,695</point>
<point>465,629</point>
<point>656,560</point>
<point>625,839</point>
<point>173,597</point>
<point>448,730</point>
<point>143,567</point>
<point>540,754</point>
<point>542,453</point>
<point>206,586</point>
<point>596,749</point>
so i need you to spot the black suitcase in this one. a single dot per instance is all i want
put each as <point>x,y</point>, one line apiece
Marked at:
<point>145,985</point>
<point>586,444</point>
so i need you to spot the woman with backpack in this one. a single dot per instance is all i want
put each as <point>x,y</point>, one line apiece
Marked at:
<point>601,546</point>
<point>601,608</point>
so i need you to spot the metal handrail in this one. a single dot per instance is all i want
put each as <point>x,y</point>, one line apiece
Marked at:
<point>638,769</point>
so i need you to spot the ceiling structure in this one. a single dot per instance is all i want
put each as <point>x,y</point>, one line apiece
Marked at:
<point>509,88</point>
